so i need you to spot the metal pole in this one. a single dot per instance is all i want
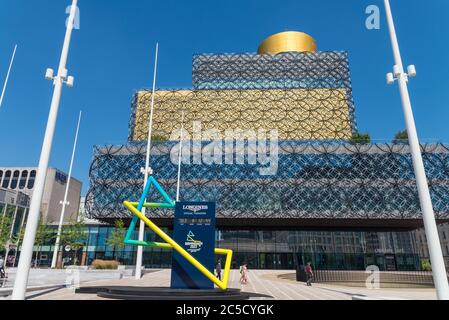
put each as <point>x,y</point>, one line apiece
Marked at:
<point>147,170</point>
<point>178,186</point>
<point>7,75</point>
<point>20,284</point>
<point>65,203</point>
<point>433,241</point>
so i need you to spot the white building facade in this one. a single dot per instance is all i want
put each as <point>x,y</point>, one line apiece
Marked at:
<point>22,179</point>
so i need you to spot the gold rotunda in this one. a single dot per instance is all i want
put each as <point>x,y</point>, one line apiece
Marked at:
<point>288,41</point>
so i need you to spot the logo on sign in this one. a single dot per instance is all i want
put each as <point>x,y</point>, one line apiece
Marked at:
<point>192,244</point>
<point>196,208</point>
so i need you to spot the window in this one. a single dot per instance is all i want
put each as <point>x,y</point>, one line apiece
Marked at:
<point>11,211</point>
<point>93,235</point>
<point>23,179</point>
<point>102,237</point>
<point>18,221</point>
<point>1,175</point>
<point>444,235</point>
<point>31,179</point>
<point>15,179</point>
<point>60,177</point>
<point>7,179</point>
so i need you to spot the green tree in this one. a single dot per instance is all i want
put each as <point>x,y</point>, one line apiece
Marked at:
<point>18,240</point>
<point>400,137</point>
<point>74,234</point>
<point>426,265</point>
<point>116,238</point>
<point>5,231</point>
<point>6,224</point>
<point>44,234</point>
<point>360,138</point>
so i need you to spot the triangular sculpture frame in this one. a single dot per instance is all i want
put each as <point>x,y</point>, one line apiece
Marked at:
<point>136,209</point>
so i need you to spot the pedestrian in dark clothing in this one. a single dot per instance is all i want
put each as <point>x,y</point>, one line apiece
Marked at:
<point>218,269</point>
<point>2,268</point>
<point>309,273</point>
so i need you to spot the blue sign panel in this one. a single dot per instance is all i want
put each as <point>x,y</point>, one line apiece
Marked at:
<point>194,230</point>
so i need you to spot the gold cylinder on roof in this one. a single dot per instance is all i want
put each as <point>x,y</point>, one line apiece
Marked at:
<point>289,41</point>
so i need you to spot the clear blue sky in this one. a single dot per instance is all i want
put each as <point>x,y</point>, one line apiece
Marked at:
<point>112,56</point>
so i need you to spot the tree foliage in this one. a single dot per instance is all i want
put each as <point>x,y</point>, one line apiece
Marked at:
<point>5,231</point>
<point>400,137</point>
<point>360,138</point>
<point>116,238</point>
<point>74,234</point>
<point>44,234</point>
<point>426,265</point>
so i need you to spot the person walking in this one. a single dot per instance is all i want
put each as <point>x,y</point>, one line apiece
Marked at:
<point>2,268</point>
<point>309,273</point>
<point>244,274</point>
<point>218,269</point>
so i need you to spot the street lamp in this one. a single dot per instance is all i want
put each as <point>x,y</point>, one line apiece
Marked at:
<point>430,226</point>
<point>20,284</point>
<point>147,171</point>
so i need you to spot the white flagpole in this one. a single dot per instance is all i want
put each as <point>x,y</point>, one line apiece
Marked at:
<point>20,284</point>
<point>147,171</point>
<point>433,241</point>
<point>7,75</point>
<point>180,158</point>
<point>65,203</point>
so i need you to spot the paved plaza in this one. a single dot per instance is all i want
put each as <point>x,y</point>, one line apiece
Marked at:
<point>45,277</point>
<point>264,284</point>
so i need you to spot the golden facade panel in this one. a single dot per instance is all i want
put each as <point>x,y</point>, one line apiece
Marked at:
<point>298,114</point>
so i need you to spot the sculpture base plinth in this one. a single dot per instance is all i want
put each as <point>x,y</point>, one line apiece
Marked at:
<point>161,293</point>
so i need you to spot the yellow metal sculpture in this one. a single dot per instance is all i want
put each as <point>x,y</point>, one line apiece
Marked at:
<point>170,244</point>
